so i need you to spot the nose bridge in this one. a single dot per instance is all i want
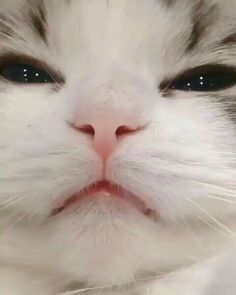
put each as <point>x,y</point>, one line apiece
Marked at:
<point>102,104</point>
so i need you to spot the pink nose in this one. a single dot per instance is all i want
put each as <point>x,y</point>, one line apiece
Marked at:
<point>106,133</point>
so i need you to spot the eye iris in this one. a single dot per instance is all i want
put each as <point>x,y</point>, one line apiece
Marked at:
<point>207,82</point>
<point>25,74</point>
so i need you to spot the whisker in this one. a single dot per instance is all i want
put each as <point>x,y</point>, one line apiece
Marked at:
<point>86,290</point>
<point>7,200</point>
<point>183,219</point>
<point>223,233</point>
<point>11,202</point>
<point>8,218</point>
<point>146,279</point>
<point>227,191</point>
<point>211,217</point>
<point>14,224</point>
<point>220,199</point>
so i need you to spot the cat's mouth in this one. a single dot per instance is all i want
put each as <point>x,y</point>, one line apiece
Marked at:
<point>108,190</point>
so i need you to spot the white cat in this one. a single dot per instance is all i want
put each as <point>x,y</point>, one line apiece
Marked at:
<point>117,146</point>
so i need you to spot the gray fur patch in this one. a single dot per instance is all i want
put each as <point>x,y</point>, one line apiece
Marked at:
<point>38,19</point>
<point>204,15</point>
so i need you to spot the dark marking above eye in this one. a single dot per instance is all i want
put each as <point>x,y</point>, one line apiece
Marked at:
<point>204,15</point>
<point>168,3</point>
<point>6,27</point>
<point>229,40</point>
<point>39,21</point>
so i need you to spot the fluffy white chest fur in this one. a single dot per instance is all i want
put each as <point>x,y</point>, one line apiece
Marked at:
<point>117,147</point>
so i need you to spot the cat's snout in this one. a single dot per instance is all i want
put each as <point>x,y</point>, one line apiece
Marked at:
<point>106,130</point>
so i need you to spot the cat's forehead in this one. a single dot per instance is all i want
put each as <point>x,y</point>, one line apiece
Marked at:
<point>129,27</point>
<point>40,15</point>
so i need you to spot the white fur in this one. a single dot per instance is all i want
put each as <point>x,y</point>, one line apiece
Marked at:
<point>115,54</point>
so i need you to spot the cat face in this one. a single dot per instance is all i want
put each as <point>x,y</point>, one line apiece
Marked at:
<point>135,95</point>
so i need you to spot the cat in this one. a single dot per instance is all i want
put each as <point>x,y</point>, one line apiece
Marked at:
<point>117,147</point>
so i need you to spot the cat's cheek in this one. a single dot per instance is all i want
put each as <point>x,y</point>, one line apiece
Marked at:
<point>44,154</point>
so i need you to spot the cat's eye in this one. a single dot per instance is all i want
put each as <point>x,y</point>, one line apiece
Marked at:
<point>25,73</point>
<point>203,79</point>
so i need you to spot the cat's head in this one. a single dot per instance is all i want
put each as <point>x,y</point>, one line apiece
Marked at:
<point>137,98</point>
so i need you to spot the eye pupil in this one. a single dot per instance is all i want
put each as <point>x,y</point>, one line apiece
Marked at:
<point>23,73</point>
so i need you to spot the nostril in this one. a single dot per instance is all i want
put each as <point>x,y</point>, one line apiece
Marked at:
<point>88,129</point>
<point>122,130</point>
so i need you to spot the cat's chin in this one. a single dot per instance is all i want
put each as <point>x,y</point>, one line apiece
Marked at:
<point>99,191</point>
<point>103,240</point>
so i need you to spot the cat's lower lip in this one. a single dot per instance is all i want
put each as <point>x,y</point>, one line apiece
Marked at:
<point>103,188</point>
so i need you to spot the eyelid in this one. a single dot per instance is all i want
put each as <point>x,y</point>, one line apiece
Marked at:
<point>201,70</point>
<point>12,58</point>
